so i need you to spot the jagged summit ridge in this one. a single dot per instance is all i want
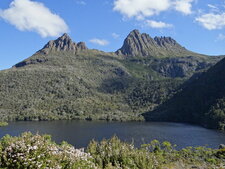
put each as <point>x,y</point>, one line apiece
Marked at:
<point>163,41</point>
<point>63,43</point>
<point>137,44</point>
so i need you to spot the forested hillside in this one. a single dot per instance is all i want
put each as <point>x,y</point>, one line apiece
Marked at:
<point>66,80</point>
<point>201,101</point>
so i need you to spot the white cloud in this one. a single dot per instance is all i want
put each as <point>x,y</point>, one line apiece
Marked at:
<point>220,37</point>
<point>212,21</point>
<point>101,42</point>
<point>183,6</point>
<point>156,24</point>
<point>141,9</point>
<point>115,35</point>
<point>212,6</point>
<point>81,2</point>
<point>28,15</point>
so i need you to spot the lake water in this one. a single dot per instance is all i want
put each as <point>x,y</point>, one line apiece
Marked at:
<point>79,133</point>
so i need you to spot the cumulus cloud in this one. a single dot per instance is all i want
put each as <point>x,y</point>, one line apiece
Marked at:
<point>212,21</point>
<point>183,6</point>
<point>157,24</point>
<point>141,9</point>
<point>28,15</point>
<point>101,42</point>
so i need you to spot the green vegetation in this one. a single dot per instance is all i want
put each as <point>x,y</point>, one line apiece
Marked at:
<point>2,124</point>
<point>35,151</point>
<point>84,86</point>
<point>61,82</point>
<point>89,85</point>
<point>201,101</point>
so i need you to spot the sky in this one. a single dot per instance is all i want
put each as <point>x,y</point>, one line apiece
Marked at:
<point>27,25</point>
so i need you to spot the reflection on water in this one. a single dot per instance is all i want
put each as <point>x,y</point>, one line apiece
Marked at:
<point>79,133</point>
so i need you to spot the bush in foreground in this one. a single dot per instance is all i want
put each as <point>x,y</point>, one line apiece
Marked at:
<point>36,151</point>
<point>2,124</point>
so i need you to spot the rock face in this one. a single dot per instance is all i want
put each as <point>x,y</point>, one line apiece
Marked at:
<point>137,44</point>
<point>168,43</point>
<point>180,66</point>
<point>142,45</point>
<point>63,43</point>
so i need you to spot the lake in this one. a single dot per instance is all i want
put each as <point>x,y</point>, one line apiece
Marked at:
<point>79,133</point>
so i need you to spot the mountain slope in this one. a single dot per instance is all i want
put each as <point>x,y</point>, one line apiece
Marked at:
<point>200,101</point>
<point>66,80</point>
<point>163,55</point>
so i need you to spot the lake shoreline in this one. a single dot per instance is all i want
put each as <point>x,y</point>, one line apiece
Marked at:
<point>180,134</point>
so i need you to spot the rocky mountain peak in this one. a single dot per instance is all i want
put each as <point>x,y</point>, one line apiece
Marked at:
<point>142,45</point>
<point>136,44</point>
<point>63,43</point>
<point>82,46</point>
<point>164,41</point>
<point>65,36</point>
<point>135,32</point>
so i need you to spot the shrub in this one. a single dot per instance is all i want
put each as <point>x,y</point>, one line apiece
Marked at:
<point>35,151</point>
<point>2,124</point>
<point>39,152</point>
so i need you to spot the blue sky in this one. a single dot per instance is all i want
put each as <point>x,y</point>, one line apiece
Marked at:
<point>27,25</point>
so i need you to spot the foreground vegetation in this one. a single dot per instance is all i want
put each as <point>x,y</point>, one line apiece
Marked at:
<point>2,124</point>
<point>36,151</point>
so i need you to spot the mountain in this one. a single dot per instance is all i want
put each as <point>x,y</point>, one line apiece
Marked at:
<point>201,100</point>
<point>142,45</point>
<point>63,43</point>
<point>66,80</point>
<point>163,55</point>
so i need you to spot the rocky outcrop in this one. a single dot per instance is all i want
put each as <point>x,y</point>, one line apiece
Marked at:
<point>168,43</point>
<point>63,43</point>
<point>137,44</point>
<point>167,57</point>
<point>30,61</point>
<point>180,66</point>
<point>142,45</point>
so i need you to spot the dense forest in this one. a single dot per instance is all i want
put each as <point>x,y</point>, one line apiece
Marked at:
<point>201,100</point>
